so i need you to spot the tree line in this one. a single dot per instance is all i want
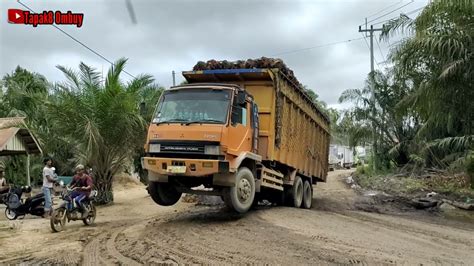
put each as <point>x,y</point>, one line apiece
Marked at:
<point>100,122</point>
<point>418,113</point>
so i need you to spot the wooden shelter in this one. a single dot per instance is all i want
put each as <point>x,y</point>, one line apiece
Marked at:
<point>16,139</point>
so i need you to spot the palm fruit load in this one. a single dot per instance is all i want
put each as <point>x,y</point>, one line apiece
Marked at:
<point>263,62</point>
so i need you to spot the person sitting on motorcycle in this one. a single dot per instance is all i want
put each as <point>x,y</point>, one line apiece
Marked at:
<point>82,183</point>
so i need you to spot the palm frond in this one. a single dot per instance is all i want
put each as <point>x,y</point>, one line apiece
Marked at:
<point>402,24</point>
<point>72,78</point>
<point>89,76</point>
<point>113,75</point>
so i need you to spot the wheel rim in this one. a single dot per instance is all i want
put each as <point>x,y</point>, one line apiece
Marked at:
<point>10,214</point>
<point>58,222</point>
<point>90,219</point>
<point>244,190</point>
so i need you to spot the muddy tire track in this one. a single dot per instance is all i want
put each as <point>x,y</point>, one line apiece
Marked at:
<point>102,249</point>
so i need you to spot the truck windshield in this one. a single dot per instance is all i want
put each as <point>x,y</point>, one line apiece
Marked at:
<point>193,105</point>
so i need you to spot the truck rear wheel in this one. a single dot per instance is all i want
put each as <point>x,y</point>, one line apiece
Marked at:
<point>297,192</point>
<point>240,197</point>
<point>307,195</point>
<point>164,194</point>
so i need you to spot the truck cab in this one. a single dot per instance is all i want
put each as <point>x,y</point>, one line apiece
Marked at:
<point>201,134</point>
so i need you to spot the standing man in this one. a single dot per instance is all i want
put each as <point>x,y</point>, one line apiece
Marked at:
<point>48,181</point>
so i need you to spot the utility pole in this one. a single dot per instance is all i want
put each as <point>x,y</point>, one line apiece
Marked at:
<point>371,76</point>
<point>371,36</point>
<point>174,78</point>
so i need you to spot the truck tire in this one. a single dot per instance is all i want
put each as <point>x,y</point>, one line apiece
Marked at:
<point>307,195</point>
<point>240,197</point>
<point>297,192</point>
<point>164,194</point>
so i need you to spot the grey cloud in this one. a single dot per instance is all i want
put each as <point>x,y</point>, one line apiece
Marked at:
<point>174,35</point>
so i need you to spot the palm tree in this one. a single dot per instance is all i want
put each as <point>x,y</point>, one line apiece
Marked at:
<point>438,55</point>
<point>24,95</point>
<point>394,127</point>
<point>101,119</point>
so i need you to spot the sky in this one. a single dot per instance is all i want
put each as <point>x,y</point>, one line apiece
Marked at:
<point>174,34</point>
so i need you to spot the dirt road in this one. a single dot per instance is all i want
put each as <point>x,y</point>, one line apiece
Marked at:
<point>136,231</point>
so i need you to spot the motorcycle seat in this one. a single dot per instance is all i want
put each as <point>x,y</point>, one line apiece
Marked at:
<point>40,195</point>
<point>33,198</point>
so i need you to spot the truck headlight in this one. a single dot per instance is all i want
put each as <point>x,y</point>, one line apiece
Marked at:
<point>212,149</point>
<point>154,148</point>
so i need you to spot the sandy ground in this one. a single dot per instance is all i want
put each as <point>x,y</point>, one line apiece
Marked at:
<point>136,231</point>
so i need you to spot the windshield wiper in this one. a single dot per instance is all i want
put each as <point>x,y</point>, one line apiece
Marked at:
<point>203,121</point>
<point>173,120</point>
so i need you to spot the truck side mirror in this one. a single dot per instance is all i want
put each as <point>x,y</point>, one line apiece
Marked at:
<point>241,98</point>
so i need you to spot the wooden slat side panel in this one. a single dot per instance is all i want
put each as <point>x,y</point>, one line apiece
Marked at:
<point>309,147</point>
<point>314,165</point>
<point>309,132</point>
<point>283,151</point>
<point>293,96</point>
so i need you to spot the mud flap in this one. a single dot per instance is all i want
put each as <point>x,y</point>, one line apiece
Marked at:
<point>225,180</point>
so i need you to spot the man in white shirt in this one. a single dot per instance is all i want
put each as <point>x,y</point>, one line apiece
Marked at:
<point>48,182</point>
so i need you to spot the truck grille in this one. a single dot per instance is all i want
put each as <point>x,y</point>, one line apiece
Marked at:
<point>183,149</point>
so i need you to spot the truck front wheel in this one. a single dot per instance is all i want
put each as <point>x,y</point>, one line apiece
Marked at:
<point>164,194</point>
<point>241,196</point>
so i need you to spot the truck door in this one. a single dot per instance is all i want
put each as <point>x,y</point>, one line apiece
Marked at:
<point>240,132</point>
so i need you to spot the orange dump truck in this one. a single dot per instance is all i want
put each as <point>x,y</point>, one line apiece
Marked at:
<point>242,134</point>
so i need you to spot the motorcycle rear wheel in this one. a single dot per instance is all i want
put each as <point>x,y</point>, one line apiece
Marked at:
<point>10,214</point>
<point>58,220</point>
<point>91,217</point>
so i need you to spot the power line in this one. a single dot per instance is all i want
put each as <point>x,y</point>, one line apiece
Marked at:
<point>317,46</point>
<point>390,12</point>
<point>380,50</point>
<point>76,40</point>
<point>383,9</point>
<point>414,11</point>
<point>397,43</point>
<point>408,13</point>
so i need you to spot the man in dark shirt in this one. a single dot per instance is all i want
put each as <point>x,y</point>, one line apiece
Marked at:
<point>82,183</point>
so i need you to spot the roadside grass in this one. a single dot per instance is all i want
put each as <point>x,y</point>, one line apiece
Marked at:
<point>451,186</point>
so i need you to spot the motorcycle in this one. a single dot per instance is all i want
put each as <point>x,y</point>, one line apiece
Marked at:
<point>15,207</point>
<point>69,211</point>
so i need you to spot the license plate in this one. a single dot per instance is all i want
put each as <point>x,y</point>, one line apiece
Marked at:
<point>176,169</point>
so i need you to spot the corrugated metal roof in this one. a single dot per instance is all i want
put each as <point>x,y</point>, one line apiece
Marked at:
<point>15,126</point>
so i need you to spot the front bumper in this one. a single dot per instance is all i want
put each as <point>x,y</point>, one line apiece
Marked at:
<point>194,167</point>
